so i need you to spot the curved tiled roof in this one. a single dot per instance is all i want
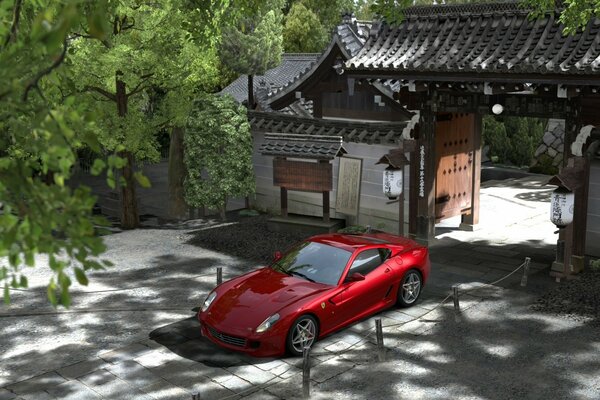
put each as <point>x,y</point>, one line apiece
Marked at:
<point>292,65</point>
<point>480,38</point>
<point>391,133</point>
<point>302,146</point>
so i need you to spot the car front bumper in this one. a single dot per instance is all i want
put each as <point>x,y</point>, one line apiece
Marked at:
<point>267,344</point>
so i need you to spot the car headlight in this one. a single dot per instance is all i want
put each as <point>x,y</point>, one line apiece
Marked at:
<point>209,299</point>
<point>267,323</point>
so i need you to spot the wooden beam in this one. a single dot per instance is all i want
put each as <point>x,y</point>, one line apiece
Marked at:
<point>472,218</point>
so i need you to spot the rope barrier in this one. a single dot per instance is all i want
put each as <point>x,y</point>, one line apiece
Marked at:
<point>269,383</point>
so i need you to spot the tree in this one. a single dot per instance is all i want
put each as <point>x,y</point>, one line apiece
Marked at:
<point>253,43</point>
<point>41,127</point>
<point>218,153</point>
<point>303,32</point>
<point>575,15</point>
<point>329,11</point>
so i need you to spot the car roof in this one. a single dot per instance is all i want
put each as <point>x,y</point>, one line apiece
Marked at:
<point>351,242</point>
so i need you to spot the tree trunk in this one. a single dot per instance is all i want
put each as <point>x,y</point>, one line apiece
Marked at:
<point>129,212</point>
<point>250,92</point>
<point>177,172</point>
<point>223,209</point>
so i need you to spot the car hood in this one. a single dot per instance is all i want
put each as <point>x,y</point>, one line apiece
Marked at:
<point>255,297</point>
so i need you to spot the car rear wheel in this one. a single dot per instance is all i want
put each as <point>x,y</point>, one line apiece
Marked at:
<point>410,288</point>
<point>302,333</point>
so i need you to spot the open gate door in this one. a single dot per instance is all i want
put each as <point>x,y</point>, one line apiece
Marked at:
<point>454,149</point>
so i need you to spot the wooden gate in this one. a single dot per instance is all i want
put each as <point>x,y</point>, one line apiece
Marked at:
<point>454,159</point>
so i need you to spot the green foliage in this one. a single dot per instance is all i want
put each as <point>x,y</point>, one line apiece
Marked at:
<point>218,152</point>
<point>545,165</point>
<point>303,32</point>
<point>41,127</point>
<point>512,140</point>
<point>256,43</point>
<point>595,265</point>
<point>575,16</point>
<point>329,12</point>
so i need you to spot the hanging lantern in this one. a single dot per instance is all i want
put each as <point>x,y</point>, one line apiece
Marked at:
<point>561,207</point>
<point>392,183</point>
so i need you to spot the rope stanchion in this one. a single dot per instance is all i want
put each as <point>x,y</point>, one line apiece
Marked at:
<point>379,334</point>
<point>306,372</point>
<point>525,272</point>
<point>370,332</point>
<point>219,275</point>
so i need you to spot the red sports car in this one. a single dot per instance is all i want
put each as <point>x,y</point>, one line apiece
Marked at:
<point>321,285</point>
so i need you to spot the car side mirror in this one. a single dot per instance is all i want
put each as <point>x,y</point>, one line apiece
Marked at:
<point>277,256</point>
<point>355,277</point>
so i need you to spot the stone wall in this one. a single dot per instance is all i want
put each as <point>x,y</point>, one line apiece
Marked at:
<point>551,148</point>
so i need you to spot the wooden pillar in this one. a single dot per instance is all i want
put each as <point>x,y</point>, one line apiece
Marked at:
<point>413,194</point>
<point>284,202</point>
<point>471,219</point>
<point>317,106</point>
<point>401,208</point>
<point>326,206</point>
<point>426,164</point>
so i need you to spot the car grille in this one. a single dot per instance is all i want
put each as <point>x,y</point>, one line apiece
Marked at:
<point>232,340</point>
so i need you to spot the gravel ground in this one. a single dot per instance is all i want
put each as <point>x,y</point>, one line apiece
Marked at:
<point>245,237</point>
<point>578,299</point>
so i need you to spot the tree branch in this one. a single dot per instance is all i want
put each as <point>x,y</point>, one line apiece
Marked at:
<point>12,36</point>
<point>139,88</point>
<point>34,83</point>
<point>107,94</point>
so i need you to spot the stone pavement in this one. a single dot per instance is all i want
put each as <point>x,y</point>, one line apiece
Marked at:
<point>497,348</point>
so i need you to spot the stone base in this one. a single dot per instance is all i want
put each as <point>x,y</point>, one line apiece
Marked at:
<point>304,224</point>
<point>468,227</point>
<point>577,263</point>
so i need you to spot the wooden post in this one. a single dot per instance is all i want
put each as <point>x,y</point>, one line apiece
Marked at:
<point>525,272</point>
<point>426,166</point>
<point>472,218</point>
<point>379,334</point>
<point>284,202</point>
<point>306,372</point>
<point>326,206</point>
<point>219,275</point>
<point>401,207</point>
<point>413,195</point>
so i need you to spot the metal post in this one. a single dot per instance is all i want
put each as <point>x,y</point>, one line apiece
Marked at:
<point>196,396</point>
<point>379,333</point>
<point>306,372</point>
<point>219,275</point>
<point>525,272</point>
<point>455,297</point>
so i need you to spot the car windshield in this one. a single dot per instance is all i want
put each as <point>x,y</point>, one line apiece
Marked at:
<point>315,262</point>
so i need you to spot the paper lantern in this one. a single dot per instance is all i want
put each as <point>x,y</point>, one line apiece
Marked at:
<point>562,205</point>
<point>392,183</point>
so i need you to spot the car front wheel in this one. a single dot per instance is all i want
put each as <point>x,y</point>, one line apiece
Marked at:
<point>410,288</point>
<point>302,333</point>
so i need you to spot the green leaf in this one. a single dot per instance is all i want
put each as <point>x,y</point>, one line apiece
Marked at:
<point>23,283</point>
<point>142,179</point>
<point>51,292</point>
<point>81,277</point>
<point>97,167</point>
<point>6,294</point>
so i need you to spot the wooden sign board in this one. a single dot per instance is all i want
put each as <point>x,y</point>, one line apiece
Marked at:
<point>347,200</point>
<point>302,175</point>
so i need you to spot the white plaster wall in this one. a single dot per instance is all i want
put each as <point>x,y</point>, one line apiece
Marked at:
<point>374,209</point>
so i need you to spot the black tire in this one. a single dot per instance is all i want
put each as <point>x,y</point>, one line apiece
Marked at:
<point>299,336</point>
<point>410,289</point>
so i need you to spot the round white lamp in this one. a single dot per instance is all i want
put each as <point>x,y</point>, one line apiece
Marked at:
<point>562,205</point>
<point>392,183</point>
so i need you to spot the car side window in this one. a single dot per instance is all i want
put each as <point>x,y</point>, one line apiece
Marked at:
<point>366,261</point>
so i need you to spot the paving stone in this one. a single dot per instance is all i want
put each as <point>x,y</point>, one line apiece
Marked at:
<point>414,311</point>
<point>287,389</point>
<point>496,251</point>
<point>233,382</point>
<point>329,369</point>
<point>125,353</point>
<point>338,346</point>
<point>285,371</point>
<point>363,353</point>
<point>415,327</point>
<point>37,383</point>
<point>111,387</point>
<point>36,396</point>
<point>133,373</point>
<point>7,394</point>
<point>73,390</point>
<point>156,357</point>
<point>261,395</point>
<point>267,365</point>
<point>82,368</point>
<point>162,390</point>
<point>208,389</point>
<point>252,374</point>
<point>394,317</point>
